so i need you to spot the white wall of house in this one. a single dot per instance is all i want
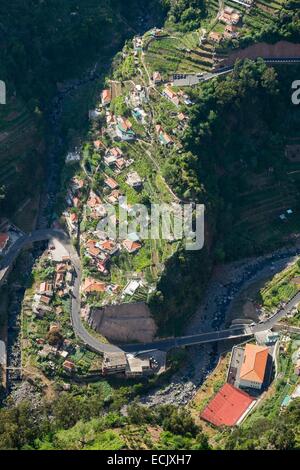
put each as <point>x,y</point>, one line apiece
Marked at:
<point>250,384</point>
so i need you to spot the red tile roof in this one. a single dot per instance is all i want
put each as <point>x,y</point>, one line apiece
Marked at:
<point>131,246</point>
<point>227,407</point>
<point>106,96</point>
<point>111,183</point>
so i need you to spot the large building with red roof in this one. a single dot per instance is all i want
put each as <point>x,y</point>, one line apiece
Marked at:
<point>254,366</point>
<point>228,406</point>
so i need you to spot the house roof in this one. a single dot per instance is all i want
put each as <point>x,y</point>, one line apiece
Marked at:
<point>157,77</point>
<point>255,362</point>
<point>131,246</point>
<point>69,365</point>
<point>106,96</point>
<point>74,217</point>
<point>116,152</point>
<point>166,138</point>
<point>91,285</point>
<point>111,183</point>
<point>227,407</point>
<point>214,36</point>
<point>115,359</point>
<point>45,287</point>
<point>93,250</point>
<point>182,117</point>
<point>124,124</point>
<point>94,200</point>
<point>120,163</point>
<point>108,245</point>
<point>98,144</point>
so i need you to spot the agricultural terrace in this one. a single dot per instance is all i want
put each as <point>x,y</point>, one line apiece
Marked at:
<point>282,288</point>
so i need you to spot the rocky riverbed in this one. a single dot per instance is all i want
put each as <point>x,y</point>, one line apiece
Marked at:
<point>227,283</point>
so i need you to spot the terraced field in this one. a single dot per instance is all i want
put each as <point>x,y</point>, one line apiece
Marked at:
<point>257,215</point>
<point>182,53</point>
<point>178,54</point>
<point>20,137</point>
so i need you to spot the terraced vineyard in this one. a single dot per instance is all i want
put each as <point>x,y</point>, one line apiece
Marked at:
<point>258,222</point>
<point>19,137</point>
<point>178,54</point>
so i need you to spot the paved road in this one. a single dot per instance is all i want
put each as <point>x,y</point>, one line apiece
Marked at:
<point>184,341</point>
<point>271,322</point>
<point>44,235</point>
<point>80,331</point>
<point>239,331</point>
<point>224,70</point>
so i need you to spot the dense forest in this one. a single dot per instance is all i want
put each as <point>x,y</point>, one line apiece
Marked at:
<point>78,423</point>
<point>43,43</point>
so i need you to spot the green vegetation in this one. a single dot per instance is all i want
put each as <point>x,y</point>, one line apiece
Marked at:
<point>87,429</point>
<point>281,288</point>
<point>186,15</point>
<point>42,45</point>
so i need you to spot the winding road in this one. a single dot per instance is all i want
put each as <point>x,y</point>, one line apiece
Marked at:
<point>238,331</point>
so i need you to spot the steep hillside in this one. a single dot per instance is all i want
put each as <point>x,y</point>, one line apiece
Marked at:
<point>42,44</point>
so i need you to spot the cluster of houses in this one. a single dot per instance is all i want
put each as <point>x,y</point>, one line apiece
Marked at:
<point>176,97</point>
<point>94,286</point>
<point>137,97</point>
<point>101,249</point>
<point>115,158</point>
<point>231,18</point>
<point>117,126</point>
<point>52,353</point>
<point>97,247</point>
<point>73,200</point>
<point>61,285</point>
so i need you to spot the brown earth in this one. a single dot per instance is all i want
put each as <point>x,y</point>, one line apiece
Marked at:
<point>282,49</point>
<point>124,323</point>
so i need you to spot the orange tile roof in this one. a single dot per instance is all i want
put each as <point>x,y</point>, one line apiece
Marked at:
<point>94,200</point>
<point>74,217</point>
<point>116,152</point>
<point>255,362</point>
<point>93,251</point>
<point>131,246</point>
<point>91,285</point>
<point>98,144</point>
<point>69,365</point>
<point>111,183</point>
<point>106,96</point>
<point>108,245</point>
